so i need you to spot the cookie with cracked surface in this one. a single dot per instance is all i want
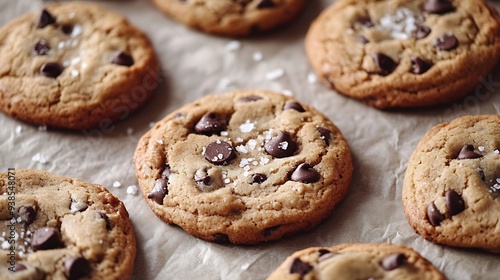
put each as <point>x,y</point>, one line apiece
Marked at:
<point>451,190</point>
<point>55,227</point>
<point>74,65</point>
<point>397,53</point>
<point>243,167</point>
<point>231,17</point>
<point>357,261</point>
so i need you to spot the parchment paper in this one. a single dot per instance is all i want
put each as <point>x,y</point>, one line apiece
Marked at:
<point>195,64</point>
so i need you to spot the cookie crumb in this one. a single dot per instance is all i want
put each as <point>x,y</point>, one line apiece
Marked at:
<point>275,74</point>
<point>132,189</point>
<point>247,126</point>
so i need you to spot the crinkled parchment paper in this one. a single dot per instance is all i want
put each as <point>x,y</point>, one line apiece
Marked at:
<point>195,64</point>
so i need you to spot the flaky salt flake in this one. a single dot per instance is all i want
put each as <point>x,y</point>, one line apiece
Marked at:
<point>38,157</point>
<point>5,245</point>
<point>74,73</point>
<point>251,144</point>
<point>257,56</point>
<point>283,145</point>
<point>227,181</point>
<point>275,74</point>
<point>19,129</point>
<point>159,141</point>
<point>247,126</point>
<point>264,161</point>
<point>481,148</point>
<point>239,140</point>
<point>498,180</point>
<point>224,83</point>
<point>77,31</point>
<point>496,152</point>
<point>232,46</point>
<point>132,189</point>
<point>116,184</point>
<point>152,124</point>
<point>224,133</point>
<point>311,78</point>
<point>287,92</point>
<point>243,162</point>
<point>242,149</point>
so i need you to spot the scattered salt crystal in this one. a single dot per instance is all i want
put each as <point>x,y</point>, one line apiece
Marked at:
<point>159,141</point>
<point>132,189</point>
<point>76,60</point>
<point>77,30</point>
<point>84,65</point>
<point>275,74</point>
<point>264,161</point>
<point>242,149</point>
<point>227,181</point>
<point>498,180</point>
<point>151,124</point>
<point>116,184</point>
<point>246,168</point>
<point>257,56</point>
<point>311,78</point>
<point>243,162</point>
<point>247,126</point>
<point>232,46</point>
<point>283,145</point>
<point>287,92</point>
<point>19,129</point>
<point>224,133</point>
<point>402,24</point>
<point>74,73</point>
<point>481,148</point>
<point>251,144</point>
<point>61,45</point>
<point>496,152</point>
<point>39,158</point>
<point>224,83</point>
<point>255,163</point>
<point>239,140</point>
<point>5,245</point>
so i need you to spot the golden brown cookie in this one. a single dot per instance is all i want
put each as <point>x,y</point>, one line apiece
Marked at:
<point>243,167</point>
<point>451,191</point>
<point>231,17</point>
<point>398,53</point>
<point>54,227</point>
<point>74,65</point>
<point>357,261</point>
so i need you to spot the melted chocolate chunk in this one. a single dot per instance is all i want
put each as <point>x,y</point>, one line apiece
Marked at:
<point>322,252</point>
<point>19,267</point>
<point>41,48</point>
<point>221,238</point>
<point>45,19</point>
<point>294,106</point>
<point>305,173</point>
<point>258,178</point>
<point>365,21</point>
<point>419,66</point>
<point>219,153</point>
<point>467,152</point>
<point>105,217</point>
<point>209,124</point>
<point>325,134</point>
<point>67,29</point>
<point>51,69</point>
<point>454,202</point>
<point>281,146</point>
<point>46,238</point>
<point>122,58</point>
<point>433,214</point>
<point>384,64</point>
<point>201,177</point>
<point>76,268</point>
<point>165,174</point>
<point>250,98</point>
<point>393,261</point>
<point>422,31</point>
<point>300,267</point>
<point>438,6</point>
<point>160,190</point>
<point>263,4</point>
<point>27,214</point>
<point>269,231</point>
<point>446,42</point>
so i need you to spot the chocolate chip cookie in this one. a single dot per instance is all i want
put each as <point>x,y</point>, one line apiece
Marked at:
<point>74,65</point>
<point>55,227</point>
<point>451,191</point>
<point>243,167</point>
<point>357,261</point>
<point>231,17</point>
<point>397,53</point>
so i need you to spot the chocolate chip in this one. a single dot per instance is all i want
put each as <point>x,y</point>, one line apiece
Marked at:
<point>41,48</point>
<point>481,174</point>
<point>258,178</point>
<point>438,6</point>
<point>300,267</point>
<point>433,214</point>
<point>219,153</point>
<point>27,214</point>
<point>67,29</point>
<point>165,174</point>
<point>422,31</point>
<point>322,252</point>
<point>446,42</point>
<point>329,82</point>
<point>293,105</point>
<point>467,152</point>
<point>385,65</point>
<point>325,134</point>
<point>305,173</point>
<point>365,21</point>
<point>51,69</point>
<point>76,268</point>
<point>362,39</point>
<point>419,66</point>
<point>250,98</point>
<point>201,177</point>
<point>393,261</point>
<point>124,59</point>
<point>281,146</point>
<point>19,267</point>
<point>45,19</point>
<point>221,238</point>
<point>160,190</point>
<point>327,256</point>
<point>454,202</point>
<point>269,231</point>
<point>46,238</point>
<point>105,217</point>
<point>210,124</point>
<point>263,4</point>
